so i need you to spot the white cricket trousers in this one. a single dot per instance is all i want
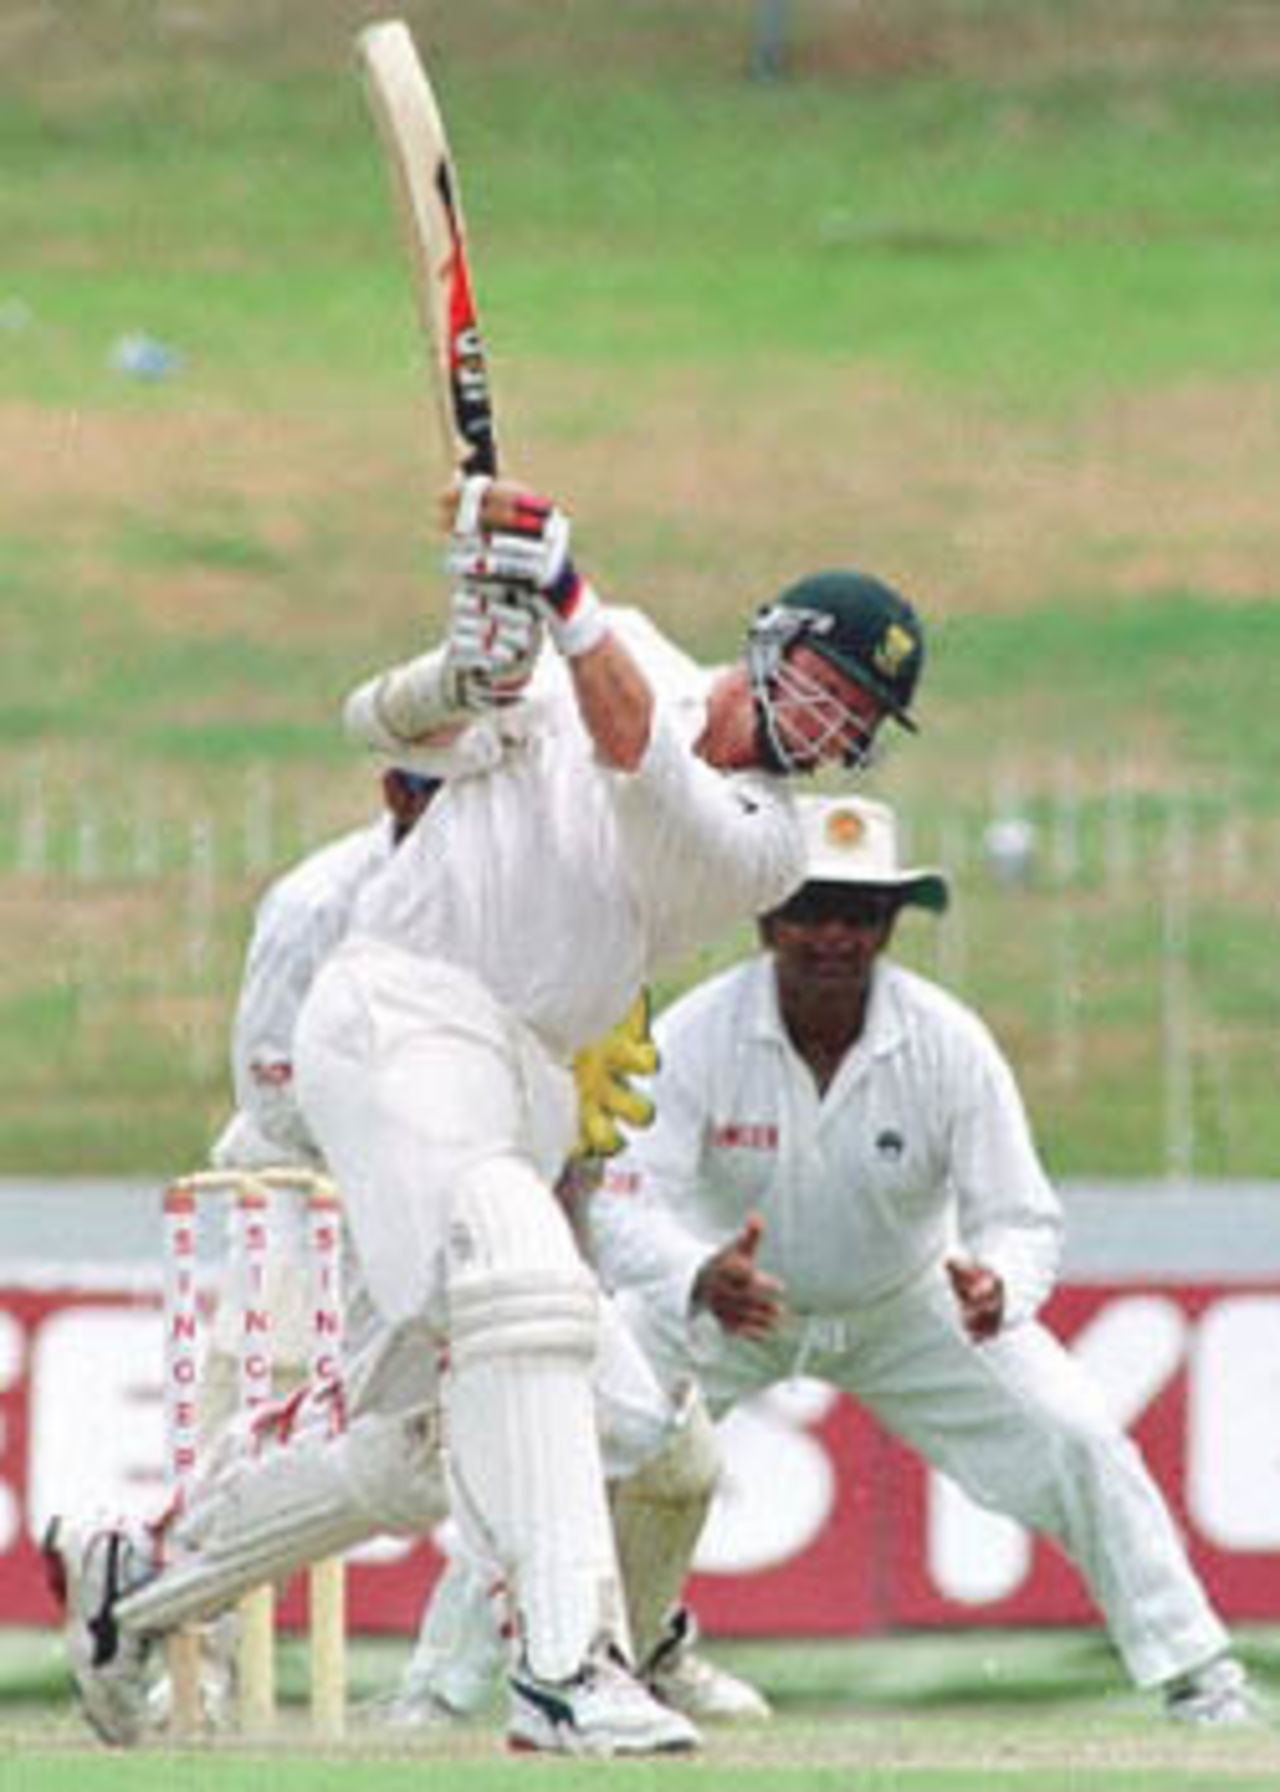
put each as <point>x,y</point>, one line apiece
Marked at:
<point>444,1122</point>
<point>1016,1423</point>
<point>410,1074</point>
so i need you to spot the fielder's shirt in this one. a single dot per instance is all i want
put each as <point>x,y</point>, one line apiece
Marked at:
<point>919,1142</point>
<point>299,921</point>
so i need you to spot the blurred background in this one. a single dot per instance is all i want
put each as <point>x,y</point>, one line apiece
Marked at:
<point>979,295</point>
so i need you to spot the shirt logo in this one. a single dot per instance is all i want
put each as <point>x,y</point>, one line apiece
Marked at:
<point>745,1135</point>
<point>890,1144</point>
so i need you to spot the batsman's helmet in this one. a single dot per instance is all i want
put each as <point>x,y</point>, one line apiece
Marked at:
<point>858,624</point>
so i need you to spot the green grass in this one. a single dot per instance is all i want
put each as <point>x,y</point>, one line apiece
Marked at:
<point>923,1713</point>
<point>982,295</point>
<point>1042,242</point>
<point>185,1775</point>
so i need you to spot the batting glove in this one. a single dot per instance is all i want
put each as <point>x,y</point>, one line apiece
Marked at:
<point>602,1072</point>
<point>509,538</point>
<point>492,648</point>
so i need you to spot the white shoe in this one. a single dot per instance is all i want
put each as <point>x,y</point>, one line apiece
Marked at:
<point>603,1710</point>
<point>688,1682</point>
<point>411,1708</point>
<point>89,1567</point>
<point>1216,1696</point>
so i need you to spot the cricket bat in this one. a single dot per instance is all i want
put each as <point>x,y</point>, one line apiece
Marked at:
<point>430,210</point>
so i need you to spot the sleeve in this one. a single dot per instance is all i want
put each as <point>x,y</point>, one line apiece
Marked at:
<point>704,844</point>
<point>639,1221</point>
<point>1008,1214</point>
<point>408,716</point>
<point>410,705</point>
<point>241,1146</point>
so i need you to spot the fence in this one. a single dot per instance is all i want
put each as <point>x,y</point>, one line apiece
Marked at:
<point>1119,942</point>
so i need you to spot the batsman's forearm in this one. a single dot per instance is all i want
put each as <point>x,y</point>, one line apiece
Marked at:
<point>615,702</point>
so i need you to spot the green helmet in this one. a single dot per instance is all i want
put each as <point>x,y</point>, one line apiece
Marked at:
<point>866,629</point>
<point>858,624</point>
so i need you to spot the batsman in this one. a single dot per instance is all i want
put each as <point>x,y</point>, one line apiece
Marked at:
<point>606,810</point>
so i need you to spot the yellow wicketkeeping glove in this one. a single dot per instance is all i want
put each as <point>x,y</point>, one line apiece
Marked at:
<point>602,1072</point>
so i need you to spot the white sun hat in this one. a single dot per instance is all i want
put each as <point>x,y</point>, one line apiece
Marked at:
<point>851,840</point>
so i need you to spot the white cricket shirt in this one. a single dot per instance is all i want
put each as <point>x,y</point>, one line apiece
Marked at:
<point>921,1139</point>
<point>299,921</point>
<point>563,884</point>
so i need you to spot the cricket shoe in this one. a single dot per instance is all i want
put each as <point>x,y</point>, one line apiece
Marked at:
<point>90,1565</point>
<point>603,1710</point>
<point>1216,1696</point>
<point>409,1709</point>
<point>688,1682</point>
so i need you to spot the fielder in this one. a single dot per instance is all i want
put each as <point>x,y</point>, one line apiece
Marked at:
<point>296,925</point>
<point>598,822</point>
<point>855,1135</point>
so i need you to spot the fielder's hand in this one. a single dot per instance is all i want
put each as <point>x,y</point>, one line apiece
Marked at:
<point>979,1294</point>
<point>743,1298</point>
<point>602,1072</point>
<point>492,648</point>
<point>506,537</point>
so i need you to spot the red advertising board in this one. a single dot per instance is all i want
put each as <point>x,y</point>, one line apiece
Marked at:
<point>825,1525</point>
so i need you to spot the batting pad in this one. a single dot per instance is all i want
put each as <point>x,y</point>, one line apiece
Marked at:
<point>658,1515</point>
<point>520,1418</point>
<point>269,1513</point>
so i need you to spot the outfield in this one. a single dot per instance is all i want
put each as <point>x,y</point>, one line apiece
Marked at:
<point>1039,1710</point>
<point>982,295</point>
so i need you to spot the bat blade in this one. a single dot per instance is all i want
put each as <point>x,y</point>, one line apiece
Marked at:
<point>425,181</point>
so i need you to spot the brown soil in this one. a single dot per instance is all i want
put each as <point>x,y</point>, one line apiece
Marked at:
<point>60,50</point>
<point>1145,493</point>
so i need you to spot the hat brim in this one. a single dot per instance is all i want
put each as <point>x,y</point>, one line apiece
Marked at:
<point>915,889</point>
